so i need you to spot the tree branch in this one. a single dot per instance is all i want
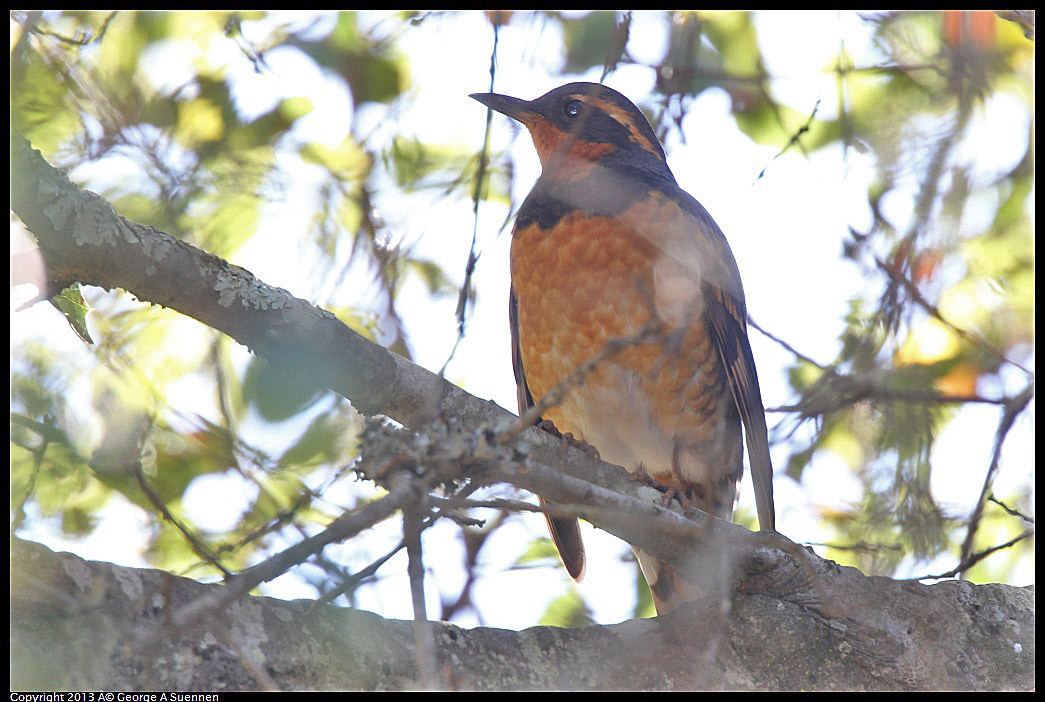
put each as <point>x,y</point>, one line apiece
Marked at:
<point>72,624</point>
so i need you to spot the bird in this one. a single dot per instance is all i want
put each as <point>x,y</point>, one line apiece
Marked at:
<point>605,246</point>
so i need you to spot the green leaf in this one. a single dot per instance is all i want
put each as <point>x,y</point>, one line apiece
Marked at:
<point>588,40</point>
<point>372,70</point>
<point>71,304</point>
<point>41,108</point>
<point>568,610</point>
<point>540,550</point>
<point>323,441</point>
<point>279,392</point>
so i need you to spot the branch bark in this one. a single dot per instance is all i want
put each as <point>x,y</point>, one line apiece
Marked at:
<point>75,625</point>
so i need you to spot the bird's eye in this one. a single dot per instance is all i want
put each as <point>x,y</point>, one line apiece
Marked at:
<point>573,108</point>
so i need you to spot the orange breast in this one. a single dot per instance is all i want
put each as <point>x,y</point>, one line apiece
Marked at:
<point>662,405</point>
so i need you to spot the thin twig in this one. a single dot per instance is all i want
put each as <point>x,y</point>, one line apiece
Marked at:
<point>861,546</point>
<point>473,257</point>
<point>933,310</point>
<point>1008,417</point>
<point>797,354</point>
<point>424,646</point>
<point>975,558</point>
<point>353,581</point>
<point>201,549</point>
<point>342,528</point>
<point>793,140</point>
<point>1011,510</point>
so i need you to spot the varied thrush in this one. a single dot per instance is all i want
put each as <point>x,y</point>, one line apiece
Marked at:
<point>605,245</point>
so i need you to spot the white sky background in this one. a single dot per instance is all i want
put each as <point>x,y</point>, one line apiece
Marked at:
<point>785,230</point>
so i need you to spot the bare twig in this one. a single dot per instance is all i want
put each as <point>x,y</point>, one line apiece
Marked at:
<point>973,559</point>
<point>860,546</point>
<point>933,310</point>
<point>352,582</point>
<point>797,354</point>
<point>342,528</point>
<point>836,390</point>
<point>793,140</point>
<point>480,176</point>
<point>1012,410</point>
<point>201,549</point>
<point>1023,18</point>
<point>424,646</point>
<point>1011,510</point>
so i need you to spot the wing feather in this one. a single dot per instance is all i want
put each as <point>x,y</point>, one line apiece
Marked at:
<point>727,321</point>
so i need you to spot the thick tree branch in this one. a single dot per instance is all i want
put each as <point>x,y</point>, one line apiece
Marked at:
<point>74,626</point>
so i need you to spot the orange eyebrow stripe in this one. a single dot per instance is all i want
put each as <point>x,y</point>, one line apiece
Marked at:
<point>624,118</point>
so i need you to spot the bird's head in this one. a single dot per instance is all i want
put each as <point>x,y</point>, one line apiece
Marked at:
<point>580,123</point>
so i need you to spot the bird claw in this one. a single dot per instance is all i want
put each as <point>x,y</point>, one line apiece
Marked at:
<point>568,439</point>
<point>549,426</point>
<point>671,492</point>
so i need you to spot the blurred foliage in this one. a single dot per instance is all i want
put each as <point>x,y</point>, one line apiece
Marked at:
<point>947,319</point>
<point>195,164</point>
<point>568,610</point>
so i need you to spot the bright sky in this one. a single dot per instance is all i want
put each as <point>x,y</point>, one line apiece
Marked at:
<point>785,230</point>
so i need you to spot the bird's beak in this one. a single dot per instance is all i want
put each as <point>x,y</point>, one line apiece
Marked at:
<point>515,108</point>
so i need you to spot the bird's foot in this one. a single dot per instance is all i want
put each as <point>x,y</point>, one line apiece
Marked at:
<point>671,492</point>
<point>568,439</point>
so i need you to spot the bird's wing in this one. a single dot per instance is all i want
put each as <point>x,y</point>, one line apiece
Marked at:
<point>727,321</point>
